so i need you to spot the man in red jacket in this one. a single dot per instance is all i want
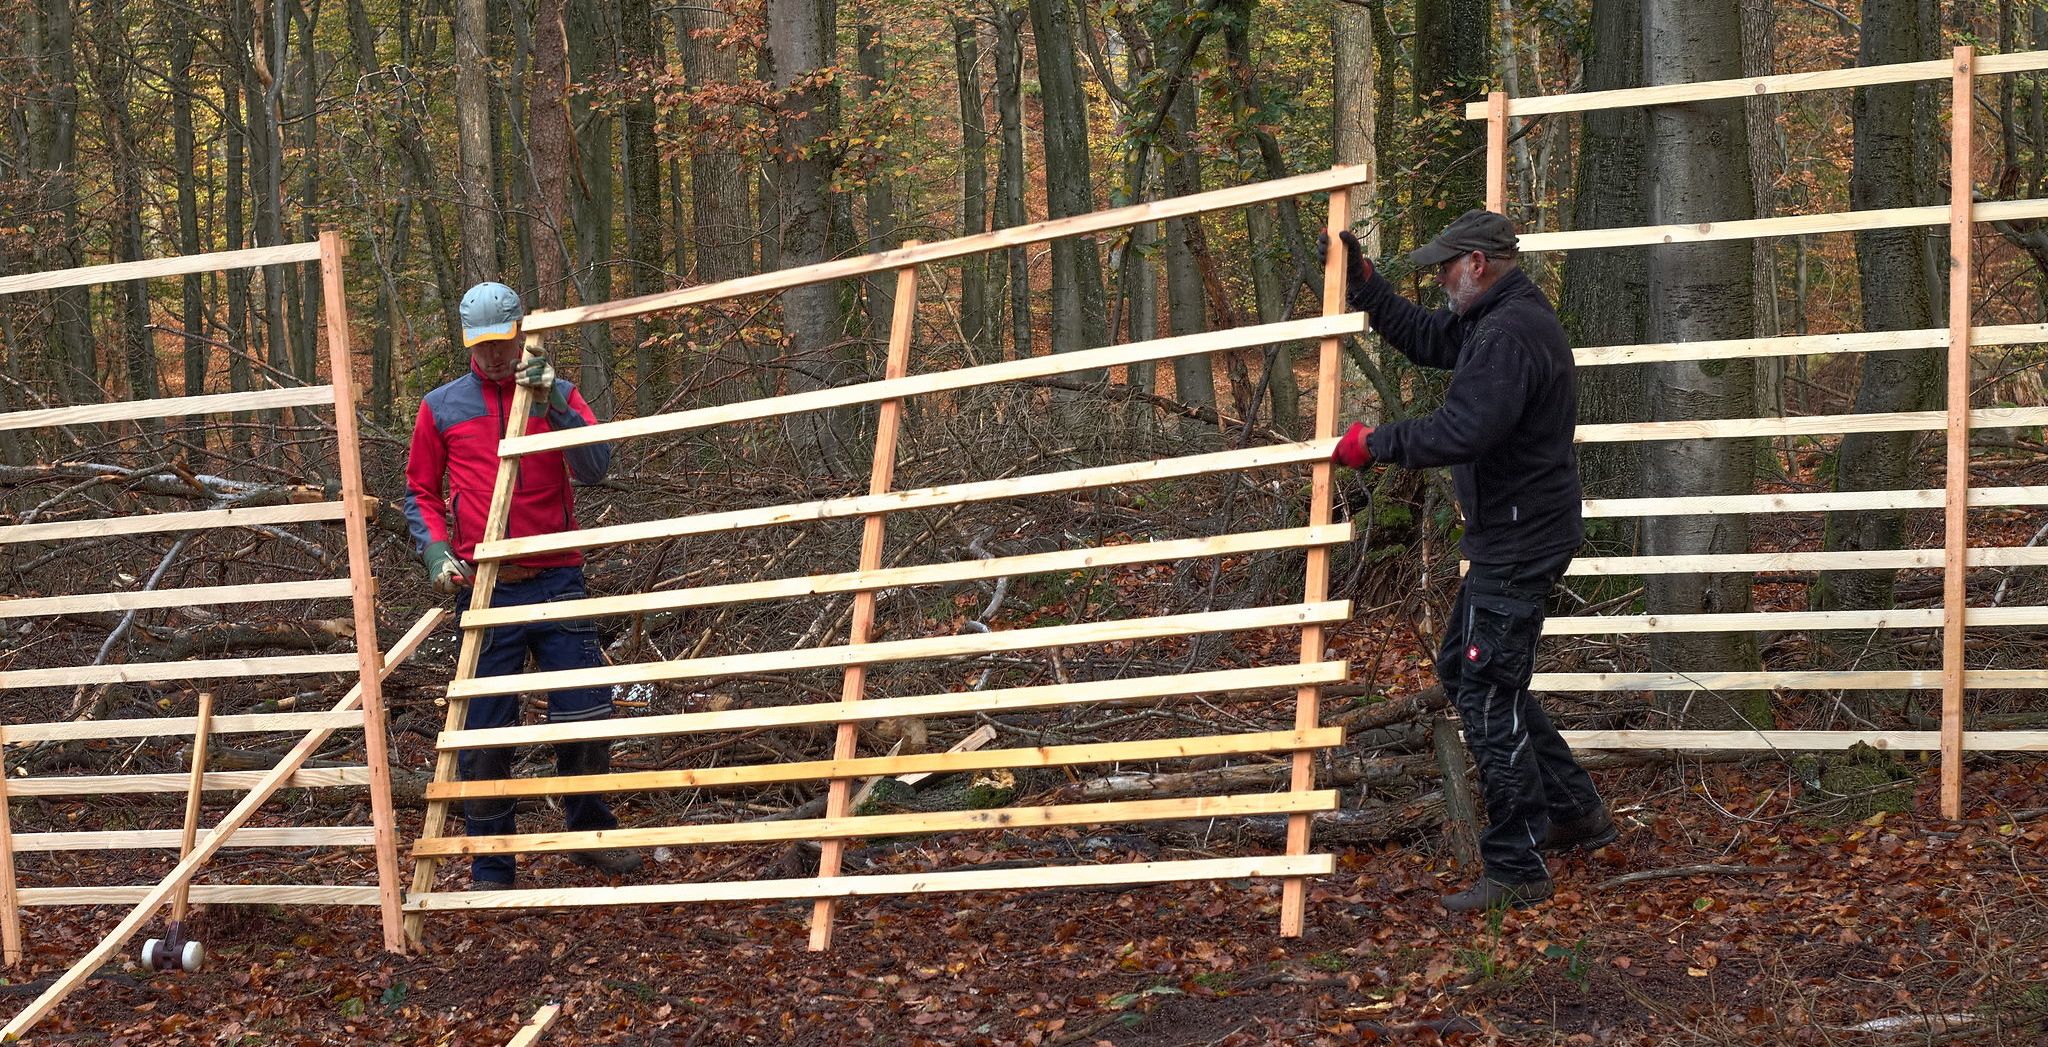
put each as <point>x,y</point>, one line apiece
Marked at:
<point>456,440</point>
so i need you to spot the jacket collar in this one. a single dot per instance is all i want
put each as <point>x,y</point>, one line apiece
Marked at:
<point>1515,284</point>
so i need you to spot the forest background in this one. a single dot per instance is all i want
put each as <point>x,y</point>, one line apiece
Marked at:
<point>585,150</point>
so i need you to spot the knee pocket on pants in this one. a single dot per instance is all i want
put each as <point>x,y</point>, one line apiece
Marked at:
<point>1500,639</point>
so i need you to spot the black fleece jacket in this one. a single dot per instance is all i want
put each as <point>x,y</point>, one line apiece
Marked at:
<point>1505,427</point>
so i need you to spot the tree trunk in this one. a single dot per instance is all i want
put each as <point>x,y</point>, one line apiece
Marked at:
<point>1605,298</point>
<point>974,269</point>
<point>305,280</point>
<point>111,74</point>
<point>1194,377</point>
<point>1272,243</point>
<point>1352,112</point>
<point>1010,174</point>
<point>1699,172</point>
<point>1895,295</point>
<point>237,135</point>
<point>55,125</point>
<point>591,53</point>
<point>1453,65</point>
<point>879,294</point>
<point>720,223</point>
<point>1079,320</point>
<point>473,141</point>
<point>184,158</point>
<point>643,195</point>
<point>547,131</point>
<point>797,39</point>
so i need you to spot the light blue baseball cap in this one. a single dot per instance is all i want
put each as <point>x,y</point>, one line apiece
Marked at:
<point>490,311</point>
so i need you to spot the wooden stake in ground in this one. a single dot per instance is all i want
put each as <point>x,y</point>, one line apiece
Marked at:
<point>854,684</point>
<point>356,526</point>
<point>181,900</point>
<point>496,523</point>
<point>10,897</point>
<point>1955,508</point>
<point>203,851</point>
<point>1308,701</point>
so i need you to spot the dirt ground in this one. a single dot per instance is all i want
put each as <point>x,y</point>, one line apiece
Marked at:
<point>1894,930</point>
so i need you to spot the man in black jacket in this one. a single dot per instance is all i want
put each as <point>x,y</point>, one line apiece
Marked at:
<point>1505,429</point>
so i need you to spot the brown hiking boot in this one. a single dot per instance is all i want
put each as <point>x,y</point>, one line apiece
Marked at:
<point>1587,832</point>
<point>490,885</point>
<point>1489,893</point>
<point>615,860</point>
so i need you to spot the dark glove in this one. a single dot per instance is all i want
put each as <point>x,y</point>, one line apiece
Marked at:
<point>1352,450</point>
<point>445,570</point>
<point>1357,270</point>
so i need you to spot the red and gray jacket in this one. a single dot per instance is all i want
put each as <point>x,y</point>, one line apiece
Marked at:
<point>456,440</point>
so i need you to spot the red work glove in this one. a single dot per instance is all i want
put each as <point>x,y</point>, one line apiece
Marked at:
<point>1351,448</point>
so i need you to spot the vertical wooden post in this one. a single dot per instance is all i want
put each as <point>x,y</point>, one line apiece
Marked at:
<point>1308,701</point>
<point>853,687</point>
<point>1955,505</point>
<point>362,579</point>
<point>10,897</point>
<point>1497,151</point>
<point>496,523</point>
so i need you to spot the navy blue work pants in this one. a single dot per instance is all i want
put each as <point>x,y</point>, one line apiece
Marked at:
<point>552,646</point>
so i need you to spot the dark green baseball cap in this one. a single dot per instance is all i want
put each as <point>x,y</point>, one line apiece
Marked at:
<point>1475,230</point>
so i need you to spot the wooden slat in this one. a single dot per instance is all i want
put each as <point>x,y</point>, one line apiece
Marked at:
<point>206,894</point>
<point>1789,225</point>
<point>496,521</point>
<point>1843,560</point>
<point>1807,425</point>
<point>977,760</point>
<point>1901,741</point>
<point>1742,621</point>
<point>1497,152</point>
<point>168,839</point>
<point>535,1027</point>
<point>893,883</point>
<point>941,381</point>
<point>909,650</point>
<point>915,498</point>
<point>179,781</point>
<point>160,523</point>
<point>1808,502</point>
<point>87,603</point>
<point>1795,680</point>
<point>1016,236</point>
<point>289,767</point>
<point>1748,87</point>
<point>362,578</point>
<point>10,893</point>
<point>1316,571</point>
<point>853,678</point>
<point>1959,419</point>
<point>924,574</point>
<point>245,723</point>
<point>153,268</point>
<point>146,672</point>
<point>169,407</point>
<point>1804,345</point>
<point>953,703</point>
<point>919,823</point>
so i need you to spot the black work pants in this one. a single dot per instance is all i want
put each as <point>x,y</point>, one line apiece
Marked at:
<point>1526,771</point>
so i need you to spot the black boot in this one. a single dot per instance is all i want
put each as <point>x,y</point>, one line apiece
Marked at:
<point>1588,832</point>
<point>1490,893</point>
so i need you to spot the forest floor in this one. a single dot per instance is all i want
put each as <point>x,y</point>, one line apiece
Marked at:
<point>1898,929</point>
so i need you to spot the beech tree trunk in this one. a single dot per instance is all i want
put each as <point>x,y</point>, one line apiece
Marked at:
<point>1079,319</point>
<point>592,53</point>
<point>478,212</point>
<point>974,318</point>
<point>1010,174</point>
<point>1889,132</point>
<point>1699,172</point>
